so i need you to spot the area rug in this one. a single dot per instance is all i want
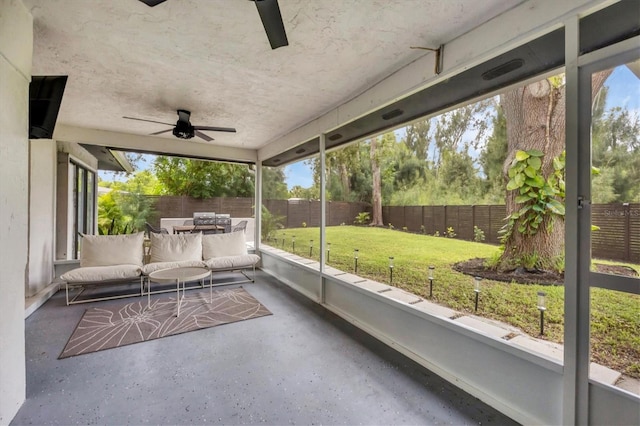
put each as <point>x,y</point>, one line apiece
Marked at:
<point>112,327</point>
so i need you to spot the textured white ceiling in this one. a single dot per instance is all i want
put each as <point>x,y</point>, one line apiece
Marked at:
<point>213,58</point>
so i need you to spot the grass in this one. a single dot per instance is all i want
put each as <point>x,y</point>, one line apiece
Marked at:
<point>615,316</point>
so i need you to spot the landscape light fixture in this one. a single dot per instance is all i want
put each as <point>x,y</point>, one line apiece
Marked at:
<point>328,251</point>
<point>541,308</point>
<point>390,269</point>
<point>293,243</point>
<point>284,234</point>
<point>355,260</point>
<point>431,268</point>
<point>310,248</point>
<point>476,289</point>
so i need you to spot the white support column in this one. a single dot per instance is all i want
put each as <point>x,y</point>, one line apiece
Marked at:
<point>258,207</point>
<point>577,234</point>
<point>323,210</point>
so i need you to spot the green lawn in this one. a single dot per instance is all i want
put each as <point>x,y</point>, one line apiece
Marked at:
<point>615,325</point>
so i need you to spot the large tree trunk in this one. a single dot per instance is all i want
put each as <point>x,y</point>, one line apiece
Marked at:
<point>344,178</point>
<point>535,116</point>
<point>377,185</point>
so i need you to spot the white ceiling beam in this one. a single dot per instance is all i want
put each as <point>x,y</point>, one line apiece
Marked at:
<point>133,142</point>
<point>513,28</point>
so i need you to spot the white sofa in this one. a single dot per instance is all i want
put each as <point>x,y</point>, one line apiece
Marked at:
<point>117,259</point>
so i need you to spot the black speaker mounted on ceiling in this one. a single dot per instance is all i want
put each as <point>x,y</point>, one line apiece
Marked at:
<point>45,97</point>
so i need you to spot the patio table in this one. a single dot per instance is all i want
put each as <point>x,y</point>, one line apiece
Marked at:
<point>179,275</point>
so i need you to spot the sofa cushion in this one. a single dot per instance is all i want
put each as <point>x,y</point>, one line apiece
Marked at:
<point>218,245</point>
<point>101,273</point>
<point>232,262</point>
<point>174,248</point>
<point>156,266</point>
<point>109,250</point>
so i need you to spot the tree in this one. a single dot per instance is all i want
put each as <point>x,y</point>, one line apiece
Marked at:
<point>274,186</point>
<point>492,159</point>
<point>535,116</point>
<point>203,179</point>
<point>376,184</point>
<point>417,139</point>
<point>380,152</point>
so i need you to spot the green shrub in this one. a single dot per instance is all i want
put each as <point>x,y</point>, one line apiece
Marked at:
<point>270,223</point>
<point>450,232</point>
<point>478,234</point>
<point>362,218</point>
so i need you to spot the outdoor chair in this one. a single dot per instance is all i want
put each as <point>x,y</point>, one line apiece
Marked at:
<point>153,229</point>
<point>224,220</point>
<point>240,226</point>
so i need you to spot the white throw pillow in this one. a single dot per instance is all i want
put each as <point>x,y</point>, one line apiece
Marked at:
<point>172,248</point>
<point>218,245</point>
<point>109,250</point>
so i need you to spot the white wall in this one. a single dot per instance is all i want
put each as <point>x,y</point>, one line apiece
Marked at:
<point>16,47</point>
<point>41,214</point>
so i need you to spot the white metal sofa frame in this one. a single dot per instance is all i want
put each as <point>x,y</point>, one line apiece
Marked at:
<point>70,286</point>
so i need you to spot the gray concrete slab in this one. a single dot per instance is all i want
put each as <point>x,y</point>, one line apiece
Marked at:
<point>435,309</point>
<point>374,286</point>
<point>402,296</point>
<point>301,365</point>
<point>602,374</point>
<point>483,326</point>
<point>549,349</point>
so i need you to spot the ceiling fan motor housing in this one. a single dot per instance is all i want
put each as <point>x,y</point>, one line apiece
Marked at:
<point>183,130</point>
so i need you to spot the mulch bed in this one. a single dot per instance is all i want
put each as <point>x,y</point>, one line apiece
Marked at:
<point>476,267</point>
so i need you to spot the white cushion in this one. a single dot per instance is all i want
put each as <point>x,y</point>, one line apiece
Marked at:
<point>232,262</point>
<point>173,248</point>
<point>107,250</point>
<point>156,266</point>
<point>101,273</point>
<point>218,245</point>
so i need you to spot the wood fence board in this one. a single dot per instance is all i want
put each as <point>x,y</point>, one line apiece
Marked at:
<point>617,239</point>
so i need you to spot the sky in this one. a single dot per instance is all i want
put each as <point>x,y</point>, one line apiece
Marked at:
<point>624,91</point>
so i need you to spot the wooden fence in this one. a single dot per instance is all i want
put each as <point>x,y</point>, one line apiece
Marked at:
<point>618,236</point>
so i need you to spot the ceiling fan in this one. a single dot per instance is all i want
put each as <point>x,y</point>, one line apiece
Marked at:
<point>269,12</point>
<point>183,129</point>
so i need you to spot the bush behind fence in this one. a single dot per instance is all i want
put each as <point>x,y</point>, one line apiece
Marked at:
<point>618,236</point>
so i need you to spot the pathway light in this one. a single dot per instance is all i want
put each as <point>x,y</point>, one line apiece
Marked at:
<point>476,289</point>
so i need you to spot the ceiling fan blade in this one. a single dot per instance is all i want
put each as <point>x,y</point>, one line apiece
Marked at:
<point>215,129</point>
<point>152,3</point>
<point>201,135</point>
<point>269,12</point>
<point>160,132</point>
<point>150,121</point>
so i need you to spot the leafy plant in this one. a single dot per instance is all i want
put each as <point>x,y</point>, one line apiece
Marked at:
<point>405,229</point>
<point>539,197</point>
<point>391,226</point>
<point>422,229</point>
<point>362,218</point>
<point>450,232</point>
<point>436,234</point>
<point>270,223</point>
<point>304,224</point>
<point>478,234</point>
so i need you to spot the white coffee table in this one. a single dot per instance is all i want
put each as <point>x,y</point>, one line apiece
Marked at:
<point>178,276</point>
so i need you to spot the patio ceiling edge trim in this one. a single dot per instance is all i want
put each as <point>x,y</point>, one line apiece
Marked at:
<point>513,28</point>
<point>151,144</point>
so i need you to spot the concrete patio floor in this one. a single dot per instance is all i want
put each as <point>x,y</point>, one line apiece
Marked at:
<point>301,365</point>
